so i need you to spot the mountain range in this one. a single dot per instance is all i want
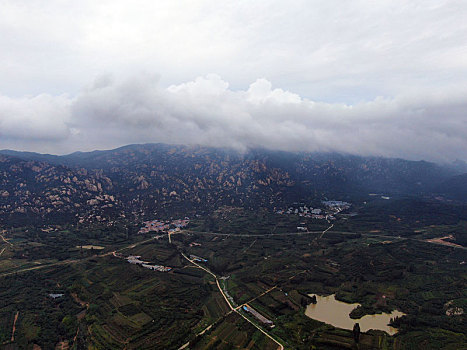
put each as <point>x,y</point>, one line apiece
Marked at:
<point>135,180</point>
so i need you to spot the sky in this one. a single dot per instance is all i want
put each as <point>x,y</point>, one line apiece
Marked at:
<point>384,78</point>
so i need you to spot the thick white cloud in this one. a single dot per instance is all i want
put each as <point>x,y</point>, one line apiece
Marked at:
<point>206,111</point>
<point>328,61</point>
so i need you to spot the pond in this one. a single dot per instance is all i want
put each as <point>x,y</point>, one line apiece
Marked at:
<point>336,313</point>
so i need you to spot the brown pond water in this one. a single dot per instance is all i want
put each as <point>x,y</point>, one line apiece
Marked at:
<point>336,313</point>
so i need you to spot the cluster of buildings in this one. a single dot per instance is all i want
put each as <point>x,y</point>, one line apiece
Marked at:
<point>304,211</point>
<point>136,260</point>
<point>332,207</point>
<point>338,205</point>
<point>56,295</point>
<point>163,226</point>
<point>258,316</point>
<point>154,226</point>
<point>197,258</point>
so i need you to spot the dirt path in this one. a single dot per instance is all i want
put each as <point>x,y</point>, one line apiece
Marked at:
<point>252,235</point>
<point>63,345</point>
<point>64,262</point>
<point>5,240</point>
<point>79,301</point>
<point>184,346</point>
<point>14,327</point>
<point>170,238</point>
<point>267,291</point>
<point>73,261</point>
<point>129,246</point>
<point>441,241</point>
<point>251,245</point>
<point>326,230</point>
<point>256,297</point>
<point>402,238</point>
<point>321,233</point>
<point>75,337</point>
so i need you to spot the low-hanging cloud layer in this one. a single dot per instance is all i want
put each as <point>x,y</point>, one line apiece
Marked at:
<point>206,111</point>
<point>373,78</point>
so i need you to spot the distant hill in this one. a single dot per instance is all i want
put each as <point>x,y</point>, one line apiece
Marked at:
<point>140,179</point>
<point>454,187</point>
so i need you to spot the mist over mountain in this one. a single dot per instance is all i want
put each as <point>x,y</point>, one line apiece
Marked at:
<point>208,112</point>
<point>165,178</point>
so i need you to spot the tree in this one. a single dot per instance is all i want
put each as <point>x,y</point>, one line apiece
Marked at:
<point>356,332</point>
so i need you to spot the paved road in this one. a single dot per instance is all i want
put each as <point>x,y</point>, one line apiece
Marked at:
<point>232,308</point>
<point>212,274</point>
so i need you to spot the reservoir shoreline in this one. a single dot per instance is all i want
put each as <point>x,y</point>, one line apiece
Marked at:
<point>336,313</point>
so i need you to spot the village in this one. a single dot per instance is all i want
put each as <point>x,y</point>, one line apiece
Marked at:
<point>331,208</point>
<point>164,226</point>
<point>136,260</point>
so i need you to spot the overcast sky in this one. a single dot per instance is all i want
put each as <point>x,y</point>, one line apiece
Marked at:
<point>366,77</point>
